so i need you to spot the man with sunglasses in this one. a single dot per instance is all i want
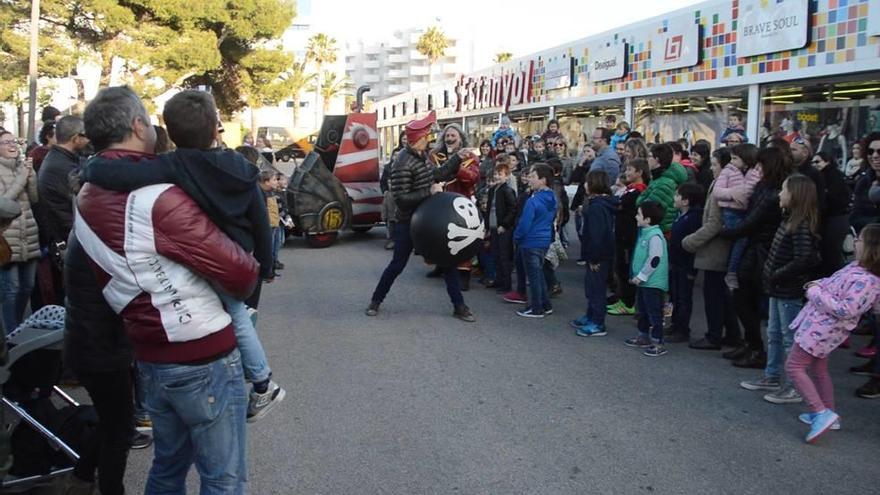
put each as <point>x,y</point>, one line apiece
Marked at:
<point>53,187</point>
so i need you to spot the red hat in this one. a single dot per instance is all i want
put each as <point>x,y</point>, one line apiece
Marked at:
<point>417,129</point>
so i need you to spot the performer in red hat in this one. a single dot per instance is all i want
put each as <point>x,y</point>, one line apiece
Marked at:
<point>414,179</point>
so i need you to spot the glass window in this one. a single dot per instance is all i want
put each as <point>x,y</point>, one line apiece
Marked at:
<point>691,117</point>
<point>531,122</point>
<point>830,114</point>
<point>576,123</point>
<point>479,128</point>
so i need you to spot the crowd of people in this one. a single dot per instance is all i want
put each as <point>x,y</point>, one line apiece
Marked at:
<point>780,234</point>
<point>156,242</point>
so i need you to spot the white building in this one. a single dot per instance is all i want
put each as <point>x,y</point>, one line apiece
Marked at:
<point>393,66</point>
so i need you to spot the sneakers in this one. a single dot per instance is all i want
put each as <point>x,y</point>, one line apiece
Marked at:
<point>591,330</point>
<point>372,309</point>
<point>581,262</point>
<point>637,341</point>
<point>870,390</point>
<point>737,353</point>
<point>822,422</point>
<point>141,441</point>
<point>807,418</point>
<point>528,313</point>
<point>556,290</point>
<point>655,350</point>
<point>515,297</point>
<point>260,404</point>
<point>143,424</point>
<point>463,313</point>
<point>389,245</point>
<point>620,309</point>
<point>754,359</point>
<point>786,395</point>
<point>866,369</point>
<point>580,322</point>
<point>764,383</point>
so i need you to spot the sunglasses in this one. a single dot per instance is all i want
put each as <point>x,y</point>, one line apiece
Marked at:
<point>873,151</point>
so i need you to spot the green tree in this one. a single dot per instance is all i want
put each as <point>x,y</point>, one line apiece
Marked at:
<point>333,86</point>
<point>503,57</point>
<point>296,80</point>
<point>321,50</point>
<point>432,44</point>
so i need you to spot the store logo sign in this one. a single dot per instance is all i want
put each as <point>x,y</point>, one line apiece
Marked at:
<point>504,90</point>
<point>677,47</point>
<point>608,63</point>
<point>768,26</point>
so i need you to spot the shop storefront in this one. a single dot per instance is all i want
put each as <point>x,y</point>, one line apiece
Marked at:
<point>691,74</point>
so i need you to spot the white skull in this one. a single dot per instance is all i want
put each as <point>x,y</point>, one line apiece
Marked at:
<point>468,211</point>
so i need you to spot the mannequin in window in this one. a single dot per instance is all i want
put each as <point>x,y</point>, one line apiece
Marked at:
<point>833,142</point>
<point>789,133</point>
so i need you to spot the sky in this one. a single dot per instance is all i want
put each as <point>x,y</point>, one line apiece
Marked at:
<point>517,27</point>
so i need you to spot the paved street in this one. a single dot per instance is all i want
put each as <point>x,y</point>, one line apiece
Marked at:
<point>414,401</point>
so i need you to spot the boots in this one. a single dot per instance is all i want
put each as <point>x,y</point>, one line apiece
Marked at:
<point>754,359</point>
<point>737,353</point>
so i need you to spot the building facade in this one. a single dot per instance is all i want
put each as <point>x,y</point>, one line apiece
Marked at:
<point>809,68</point>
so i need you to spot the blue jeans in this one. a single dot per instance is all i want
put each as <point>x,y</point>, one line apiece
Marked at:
<point>681,290</point>
<point>403,247</point>
<point>779,336</point>
<point>594,290</point>
<point>533,260</point>
<point>198,415</point>
<point>486,258</point>
<point>731,218</point>
<point>520,271</point>
<point>16,284</point>
<point>277,241</point>
<point>253,357</point>
<point>650,305</point>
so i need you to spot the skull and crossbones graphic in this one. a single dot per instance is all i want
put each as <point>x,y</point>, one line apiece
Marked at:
<point>466,209</point>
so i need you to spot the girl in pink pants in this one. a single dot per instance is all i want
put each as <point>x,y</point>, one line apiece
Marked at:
<point>834,306</point>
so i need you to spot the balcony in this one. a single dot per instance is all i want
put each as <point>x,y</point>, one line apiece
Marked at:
<point>396,74</point>
<point>395,89</point>
<point>397,58</point>
<point>415,55</point>
<point>371,64</point>
<point>371,78</point>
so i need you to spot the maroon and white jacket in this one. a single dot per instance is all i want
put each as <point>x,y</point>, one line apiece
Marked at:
<point>159,258</point>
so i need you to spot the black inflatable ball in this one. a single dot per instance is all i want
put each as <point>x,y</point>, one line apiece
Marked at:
<point>447,229</point>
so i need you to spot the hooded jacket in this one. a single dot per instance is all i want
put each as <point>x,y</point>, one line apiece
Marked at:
<point>535,227</point>
<point>662,190</point>
<point>598,229</point>
<point>223,183</point>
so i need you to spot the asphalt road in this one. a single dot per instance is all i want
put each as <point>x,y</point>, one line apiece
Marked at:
<point>415,402</point>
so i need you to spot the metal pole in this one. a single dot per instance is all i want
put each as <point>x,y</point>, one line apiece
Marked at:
<point>32,70</point>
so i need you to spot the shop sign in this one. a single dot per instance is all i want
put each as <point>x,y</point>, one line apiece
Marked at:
<point>768,26</point>
<point>678,47</point>
<point>607,62</point>
<point>511,88</point>
<point>557,73</point>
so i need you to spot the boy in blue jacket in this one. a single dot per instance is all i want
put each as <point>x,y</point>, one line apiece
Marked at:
<point>688,200</point>
<point>597,249</point>
<point>533,235</point>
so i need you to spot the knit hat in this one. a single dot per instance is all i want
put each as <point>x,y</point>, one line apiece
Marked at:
<point>418,129</point>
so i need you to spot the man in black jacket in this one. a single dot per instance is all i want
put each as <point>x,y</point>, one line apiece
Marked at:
<point>55,213</point>
<point>413,180</point>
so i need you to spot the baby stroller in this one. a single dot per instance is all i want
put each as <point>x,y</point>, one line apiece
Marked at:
<point>39,422</point>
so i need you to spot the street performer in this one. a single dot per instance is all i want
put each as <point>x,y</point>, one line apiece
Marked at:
<point>452,140</point>
<point>414,179</point>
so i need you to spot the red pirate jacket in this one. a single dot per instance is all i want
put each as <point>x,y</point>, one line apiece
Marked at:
<point>158,258</point>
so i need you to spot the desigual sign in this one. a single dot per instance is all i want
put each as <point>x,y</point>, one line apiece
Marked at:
<point>511,88</point>
<point>607,62</point>
<point>768,26</point>
<point>678,47</point>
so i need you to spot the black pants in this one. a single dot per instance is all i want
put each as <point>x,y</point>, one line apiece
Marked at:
<point>623,289</point>
<point>720,314</point>
<point>111,394</point>
<point>681,292</point>
<point>748,301</point>
<point>503,258</point>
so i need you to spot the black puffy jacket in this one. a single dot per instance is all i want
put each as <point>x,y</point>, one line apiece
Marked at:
<point>864,211</point>
<point>94,337</point>
<point>759,227</point>
<point>412,177</point>
<point>793,261</point>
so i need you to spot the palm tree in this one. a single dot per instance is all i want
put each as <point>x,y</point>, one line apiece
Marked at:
<point>503,57</point>
<point>333,87</point>
<point>296,81</point>
<point>321,49</point>
<point>432,44</point>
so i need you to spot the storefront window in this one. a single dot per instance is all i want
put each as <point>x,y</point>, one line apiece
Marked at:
<point>479,128</point>
<point>530,123</point>
<point>831,114</point>
<point>576,123</point>
<point>691,117</point>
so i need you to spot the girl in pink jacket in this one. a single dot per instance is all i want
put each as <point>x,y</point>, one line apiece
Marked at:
<point>733,189</point>
<point>834,306</point>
